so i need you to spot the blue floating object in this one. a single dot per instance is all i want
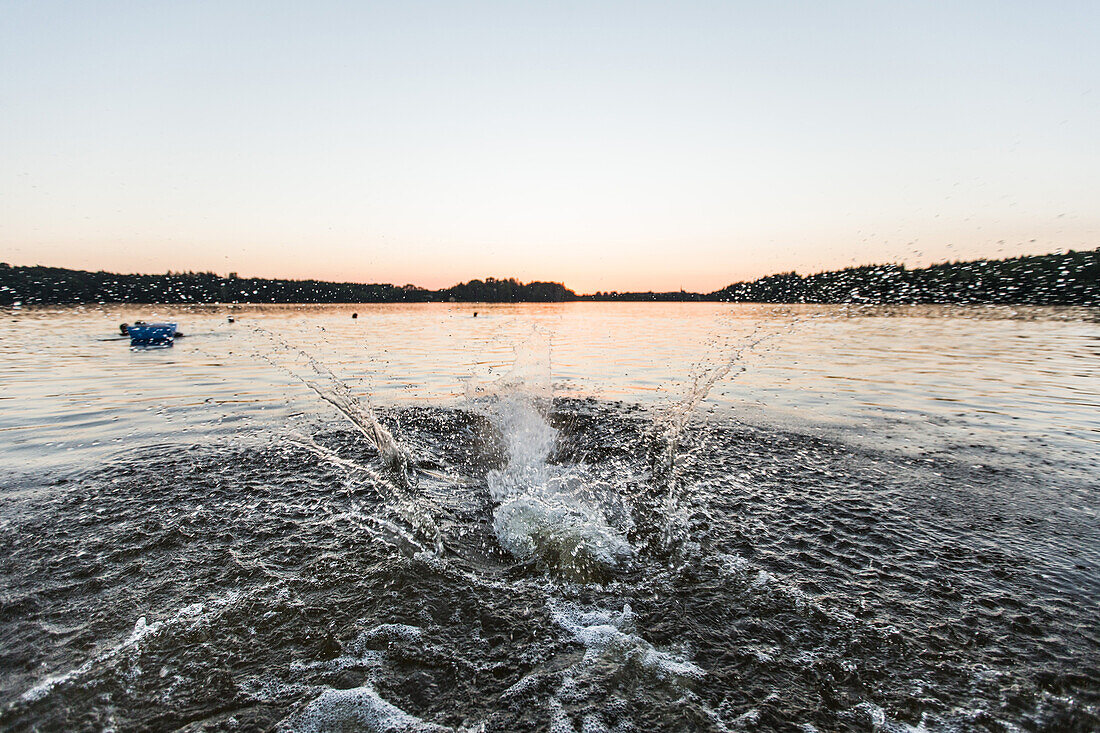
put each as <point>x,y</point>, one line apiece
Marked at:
<point>152,334</point>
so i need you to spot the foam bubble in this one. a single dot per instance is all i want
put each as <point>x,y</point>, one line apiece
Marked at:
<point>870,714</point>
<point>610,636</point>
<point>733,564</point>
<point>526,685</point>
<point>560,722</point>
<point>357,709</point>
<point>747,719</point>
<point>391,632</point>
<point>358,652</point>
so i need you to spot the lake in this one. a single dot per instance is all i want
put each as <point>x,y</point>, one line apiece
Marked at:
<point>579,516</point>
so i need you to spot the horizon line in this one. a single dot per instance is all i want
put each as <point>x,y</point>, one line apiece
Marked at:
<point>489,278</point>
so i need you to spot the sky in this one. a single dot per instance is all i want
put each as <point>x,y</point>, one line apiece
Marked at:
<point>606,145</point>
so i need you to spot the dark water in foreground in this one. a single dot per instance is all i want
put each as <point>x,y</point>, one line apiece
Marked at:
<point>524,561</point>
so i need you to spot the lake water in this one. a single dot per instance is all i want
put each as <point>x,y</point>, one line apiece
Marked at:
<point>585,516</point>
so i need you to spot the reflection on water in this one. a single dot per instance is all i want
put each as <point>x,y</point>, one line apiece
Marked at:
<point>1006,380</point>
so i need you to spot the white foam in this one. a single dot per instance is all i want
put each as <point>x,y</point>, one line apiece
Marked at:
<point>747,719</point>
<point>609,635</point>
<point>592,723</point>
<point>367,658</point>
<point>733,564</point>
<point>560,722</point>
<point>523,687</point>
<point>126,654</point>
<point>868,713</point>
<point>564,533</point>
<point>401,632</point>
<point>358,654</point>
<point>275,691</point>
<point>547,511</point>
<point>357,709</point>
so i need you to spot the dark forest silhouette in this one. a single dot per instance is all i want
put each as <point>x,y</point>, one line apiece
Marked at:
<point>1070,278</point>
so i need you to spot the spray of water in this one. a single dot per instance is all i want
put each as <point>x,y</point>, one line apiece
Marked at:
<point>406,520</point>
<point>544,512</point>
<point>663,514</point>
<point>361,416</point>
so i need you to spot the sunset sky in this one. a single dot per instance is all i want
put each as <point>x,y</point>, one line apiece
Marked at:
<point>607,145</point>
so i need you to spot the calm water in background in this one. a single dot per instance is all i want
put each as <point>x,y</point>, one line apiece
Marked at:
<point>572,517</point>
<point>1007,381</point>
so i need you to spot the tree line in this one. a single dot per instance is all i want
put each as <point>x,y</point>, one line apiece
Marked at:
<point>54,286</point>
<point>1069,278</point>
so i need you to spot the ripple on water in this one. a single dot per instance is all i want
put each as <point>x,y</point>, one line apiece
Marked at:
<point>236,586</point>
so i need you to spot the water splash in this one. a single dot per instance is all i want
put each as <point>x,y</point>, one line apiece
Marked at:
<point>405,521</point>
<point>335,392</point>
<point>670,423</point>
<point>544,512</point>
<point>665,517</point>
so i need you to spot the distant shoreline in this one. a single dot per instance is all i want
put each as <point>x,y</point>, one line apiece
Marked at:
<point>1070,278</point>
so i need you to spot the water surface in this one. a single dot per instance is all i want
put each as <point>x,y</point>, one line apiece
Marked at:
<point>571,517</point>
